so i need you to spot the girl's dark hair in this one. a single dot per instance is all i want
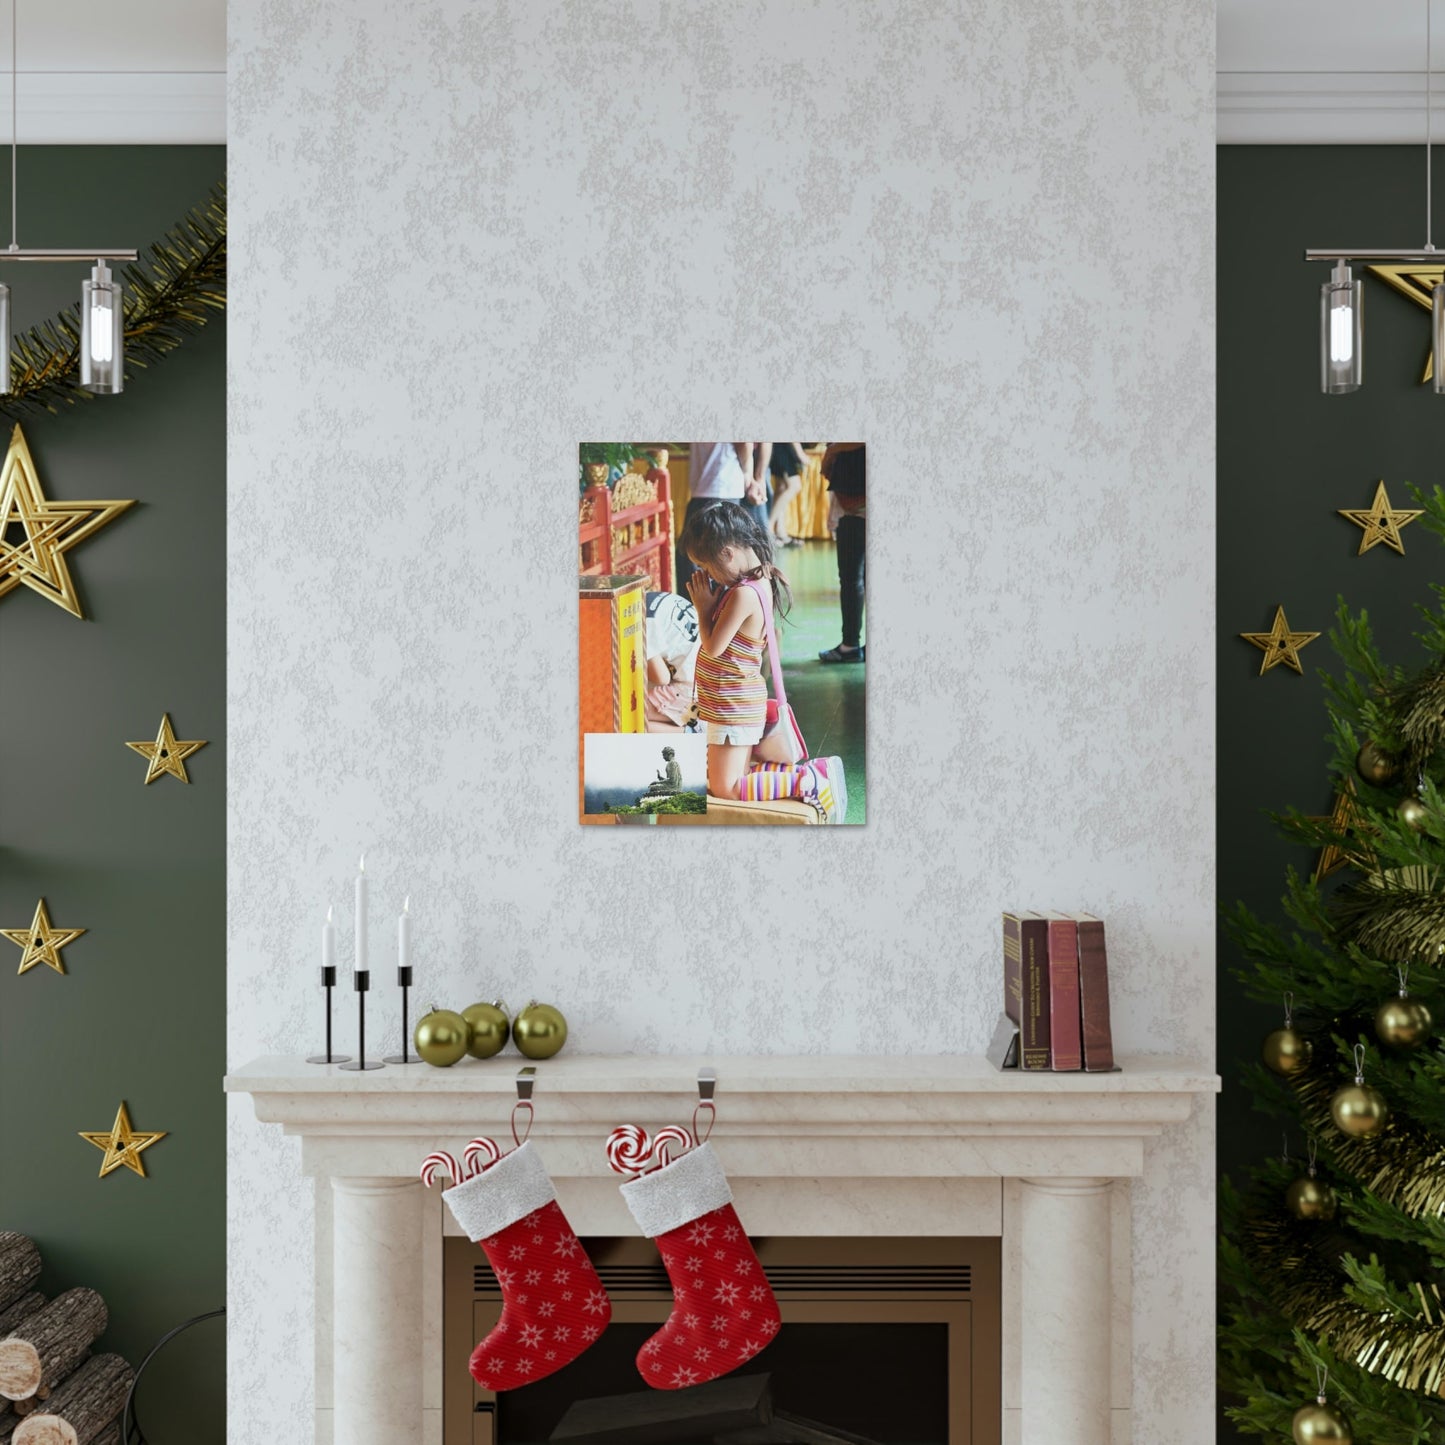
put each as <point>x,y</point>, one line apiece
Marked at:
<point>726,524</point>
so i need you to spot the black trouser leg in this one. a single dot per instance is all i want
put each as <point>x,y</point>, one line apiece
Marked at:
<point>850,577</point>
<point>684,568</point>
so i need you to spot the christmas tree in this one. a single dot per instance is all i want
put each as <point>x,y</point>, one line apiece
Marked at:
<point>1340,1267</point>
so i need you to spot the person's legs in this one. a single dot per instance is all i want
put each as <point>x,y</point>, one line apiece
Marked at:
<point>850,578</point>
<point>726,763</point>
<point>683,567</point>
<point>784,490</point>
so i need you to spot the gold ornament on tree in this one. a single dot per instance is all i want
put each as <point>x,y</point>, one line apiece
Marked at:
<point>1310,1197</point>
<point>41,942</point>
<point>1403,1022</point>
<point>122,1144</point>
<point>1381,522</point>
<point>488,1028</point>
<point>1413,813</point>
<point>47,530</point>
<point>166,754</point>
<point>1377,766</point>
<point>1321,1423</point>
<point>1358,1109</point>
<point>1287,1051</point>
<point>1344,820</point>
<point>1280,644</point>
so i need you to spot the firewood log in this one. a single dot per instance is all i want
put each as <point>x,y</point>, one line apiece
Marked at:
<point>49,1344</point>
<point>22,1309</point>
<point>19,1266</point>
<point>81,1406</point>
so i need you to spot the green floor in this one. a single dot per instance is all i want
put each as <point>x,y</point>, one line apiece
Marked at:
<point>828,698</point>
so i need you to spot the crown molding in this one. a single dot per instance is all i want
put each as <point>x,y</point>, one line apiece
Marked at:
<point>1326,108</point>
<point>117,108</point>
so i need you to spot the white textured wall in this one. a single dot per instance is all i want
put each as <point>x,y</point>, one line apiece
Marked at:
<point>466,234</point>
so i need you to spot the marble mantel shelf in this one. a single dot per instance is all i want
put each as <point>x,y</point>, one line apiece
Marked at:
<point>817,1144</point>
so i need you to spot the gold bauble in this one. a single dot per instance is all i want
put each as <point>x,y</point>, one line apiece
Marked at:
<point>539,1030</point>
<point>1311,1198</point>
<point>1413,813</point>
<point>1403,1022</point>
<point>1377,766</point>
<point>1317,1424</point>
<point>1287,1051</point>
<point>441,1037</point>
<point>490,1029</point>
<point>1359,1111</point>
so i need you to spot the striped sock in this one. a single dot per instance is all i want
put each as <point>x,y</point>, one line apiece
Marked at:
<point>768,782</point>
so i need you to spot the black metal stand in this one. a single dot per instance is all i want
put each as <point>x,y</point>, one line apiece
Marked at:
<point>362,978</point>
<point>403,979</point>
<point>328,982</point>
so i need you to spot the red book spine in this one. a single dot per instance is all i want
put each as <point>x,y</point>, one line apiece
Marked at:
<point>1064,1040</point>
<point>1098,1035</point>
<point>1034,979</point>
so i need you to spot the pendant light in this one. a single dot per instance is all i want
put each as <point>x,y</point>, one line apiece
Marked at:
<point>102,310</point>
<point>1342,297</point>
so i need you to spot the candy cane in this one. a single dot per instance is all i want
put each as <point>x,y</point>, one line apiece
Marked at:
<point>628,1151</point>
<point>440,1160</point>
<point>480,1149</point>
<point>663,1141</point>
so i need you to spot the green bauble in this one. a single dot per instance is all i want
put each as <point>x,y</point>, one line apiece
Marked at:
<point>489,1027</point>
<point>441,1037</point>
<point>1311,1198</point>
<point>1321,1425</point>
<point>539,1030</point>
<point>1287,1051</point>
<point>1377,766</point>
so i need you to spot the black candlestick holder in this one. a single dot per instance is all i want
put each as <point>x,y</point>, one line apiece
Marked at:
<point>403,979</point>
<point>362,979</point>
<point>328,982</point>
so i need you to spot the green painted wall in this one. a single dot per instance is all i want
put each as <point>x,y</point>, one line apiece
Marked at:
<point>1288,458</point>
<point>140,1015</point>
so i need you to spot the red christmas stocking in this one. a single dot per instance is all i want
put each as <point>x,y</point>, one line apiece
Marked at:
<point>553,1304</point>
<point>724,1310</point>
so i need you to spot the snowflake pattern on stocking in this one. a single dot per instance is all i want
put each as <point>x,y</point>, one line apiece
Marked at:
<point>721,1316</point>
<point>542,1328</point>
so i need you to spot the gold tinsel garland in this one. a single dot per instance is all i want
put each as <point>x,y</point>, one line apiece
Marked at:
<point>1308,1291</point>
<point>1404,1164</point>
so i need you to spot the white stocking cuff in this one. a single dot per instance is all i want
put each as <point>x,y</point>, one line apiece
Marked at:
<point>515,1186</point>
<point>685,1190</point>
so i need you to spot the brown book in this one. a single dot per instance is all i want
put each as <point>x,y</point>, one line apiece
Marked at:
<point>1065,1046</point>
<point>1098,1036</point>
<point>1026,984</point>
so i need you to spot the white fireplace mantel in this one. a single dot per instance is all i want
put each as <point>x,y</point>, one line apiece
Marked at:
<point>936,1145</point>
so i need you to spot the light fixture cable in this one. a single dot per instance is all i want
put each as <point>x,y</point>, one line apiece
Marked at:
<point>1429,107</point>
<point>14,124</point>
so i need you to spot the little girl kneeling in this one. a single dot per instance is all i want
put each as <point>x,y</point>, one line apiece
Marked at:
<point>736,590</point>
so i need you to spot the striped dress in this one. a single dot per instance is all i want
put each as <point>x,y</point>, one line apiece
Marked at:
<point>730,689</point>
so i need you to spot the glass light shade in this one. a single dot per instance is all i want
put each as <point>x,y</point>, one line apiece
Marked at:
<point>4,339</point>
<point>102,333</point>
<point>1342,335</point>
<point>1437,335</point>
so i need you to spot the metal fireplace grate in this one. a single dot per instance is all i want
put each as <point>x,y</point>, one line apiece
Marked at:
<point>795,1280</point>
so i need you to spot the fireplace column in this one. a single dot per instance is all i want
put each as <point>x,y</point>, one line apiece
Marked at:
<point>376,1319</point>
<point>1066,1293</point>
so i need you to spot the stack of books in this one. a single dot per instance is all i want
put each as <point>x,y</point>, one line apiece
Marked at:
<point>1056,994</point>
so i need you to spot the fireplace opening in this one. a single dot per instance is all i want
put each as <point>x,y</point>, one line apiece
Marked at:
<point>884,1342</point>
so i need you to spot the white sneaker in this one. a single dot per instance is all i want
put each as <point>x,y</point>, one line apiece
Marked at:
<point>835,798</point>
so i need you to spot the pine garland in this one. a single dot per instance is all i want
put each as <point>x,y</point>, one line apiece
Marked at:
<point>170,293</point>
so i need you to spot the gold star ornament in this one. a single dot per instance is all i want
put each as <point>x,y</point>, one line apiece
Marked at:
<point>40,943</point>
<point>1381,522</point>
<point>36,532</point>
<point>1279,644</point>
<point>122,1144</point>
<point>1345,820</point>
<point>166,754</point>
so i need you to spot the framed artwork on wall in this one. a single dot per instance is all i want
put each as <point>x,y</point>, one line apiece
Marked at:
<point>722,656</point>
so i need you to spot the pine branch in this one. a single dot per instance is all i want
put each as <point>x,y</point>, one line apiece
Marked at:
<point>169,296</point>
